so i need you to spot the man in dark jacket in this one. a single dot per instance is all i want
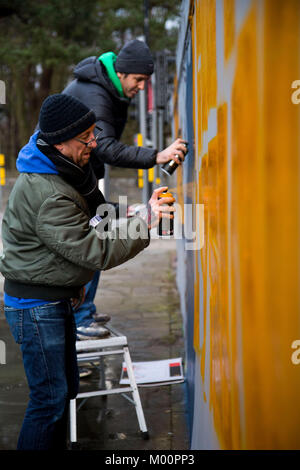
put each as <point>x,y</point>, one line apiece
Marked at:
<point>51,250</point>
<point>106,84</point>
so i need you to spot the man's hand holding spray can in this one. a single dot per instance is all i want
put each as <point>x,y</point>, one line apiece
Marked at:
<point>166,226</point>
<point>180,147</point>
<point>162,211</point>
<point>160,208</point>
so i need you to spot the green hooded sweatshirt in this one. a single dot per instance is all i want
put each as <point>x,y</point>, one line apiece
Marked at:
<point>108,59</point>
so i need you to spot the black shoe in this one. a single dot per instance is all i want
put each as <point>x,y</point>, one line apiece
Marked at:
<point>101,318</point>
<point>92,331</point>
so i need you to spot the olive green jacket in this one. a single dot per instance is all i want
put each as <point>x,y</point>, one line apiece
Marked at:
<point>48,242</point>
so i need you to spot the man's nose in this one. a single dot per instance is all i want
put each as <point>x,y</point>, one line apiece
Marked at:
<point>141,85</point>
<point>93,144</point>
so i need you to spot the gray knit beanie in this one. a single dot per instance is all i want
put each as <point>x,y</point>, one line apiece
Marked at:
<point>135,57</point>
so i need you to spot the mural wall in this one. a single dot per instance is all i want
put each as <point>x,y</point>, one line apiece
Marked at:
<point>238,62</point>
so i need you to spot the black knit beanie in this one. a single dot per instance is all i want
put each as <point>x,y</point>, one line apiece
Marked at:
<point>62,117</point>
<point>135,57</point>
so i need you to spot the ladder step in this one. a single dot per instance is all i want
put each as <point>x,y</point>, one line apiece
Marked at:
<point>104,392</point>
<point>97,354</point>
<point>92,344</point>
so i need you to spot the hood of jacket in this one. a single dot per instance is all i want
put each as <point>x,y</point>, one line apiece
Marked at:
<point>32,160</point>
<point>93,70</point>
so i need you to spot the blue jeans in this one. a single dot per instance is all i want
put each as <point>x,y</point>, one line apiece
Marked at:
<point>84,314</point>
<point>47,336</point>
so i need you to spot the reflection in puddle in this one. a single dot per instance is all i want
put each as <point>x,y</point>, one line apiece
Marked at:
<point>117,436</point>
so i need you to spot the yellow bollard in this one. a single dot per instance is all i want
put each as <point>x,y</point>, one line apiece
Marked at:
<point>2,169</point>
<point>140,172</point>
<point>151,175</point>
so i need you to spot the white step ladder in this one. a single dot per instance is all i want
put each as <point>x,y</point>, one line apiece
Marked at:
<point>94,350</point>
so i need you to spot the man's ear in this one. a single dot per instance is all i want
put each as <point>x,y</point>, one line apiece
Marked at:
<point>59,147</point>
<point>120,75</point>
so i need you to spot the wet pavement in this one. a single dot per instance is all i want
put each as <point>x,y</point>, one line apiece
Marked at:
<point>142,299</point>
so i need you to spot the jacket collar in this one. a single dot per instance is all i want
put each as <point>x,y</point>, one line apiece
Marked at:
<point>108,59</point>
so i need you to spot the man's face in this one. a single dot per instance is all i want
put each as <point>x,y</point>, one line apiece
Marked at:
<point>132,83</point>
<point>77,151</point>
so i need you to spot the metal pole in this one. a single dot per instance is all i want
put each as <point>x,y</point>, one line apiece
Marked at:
<point>154,129</point>
<point>163,177</point>
<point>143,109</point>
<point>143,131</point>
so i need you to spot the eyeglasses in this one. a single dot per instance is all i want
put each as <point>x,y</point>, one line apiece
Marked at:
<point>95,139</point>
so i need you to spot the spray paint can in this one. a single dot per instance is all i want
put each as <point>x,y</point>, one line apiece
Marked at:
<point>166,225</point>
<point>171,166</point>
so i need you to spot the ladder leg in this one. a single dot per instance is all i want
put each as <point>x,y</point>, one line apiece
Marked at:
<point>135,393</point>
<point>73,425</point>
<point>102,374</point>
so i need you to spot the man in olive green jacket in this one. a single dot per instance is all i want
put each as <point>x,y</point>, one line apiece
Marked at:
<point>51,250</point>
